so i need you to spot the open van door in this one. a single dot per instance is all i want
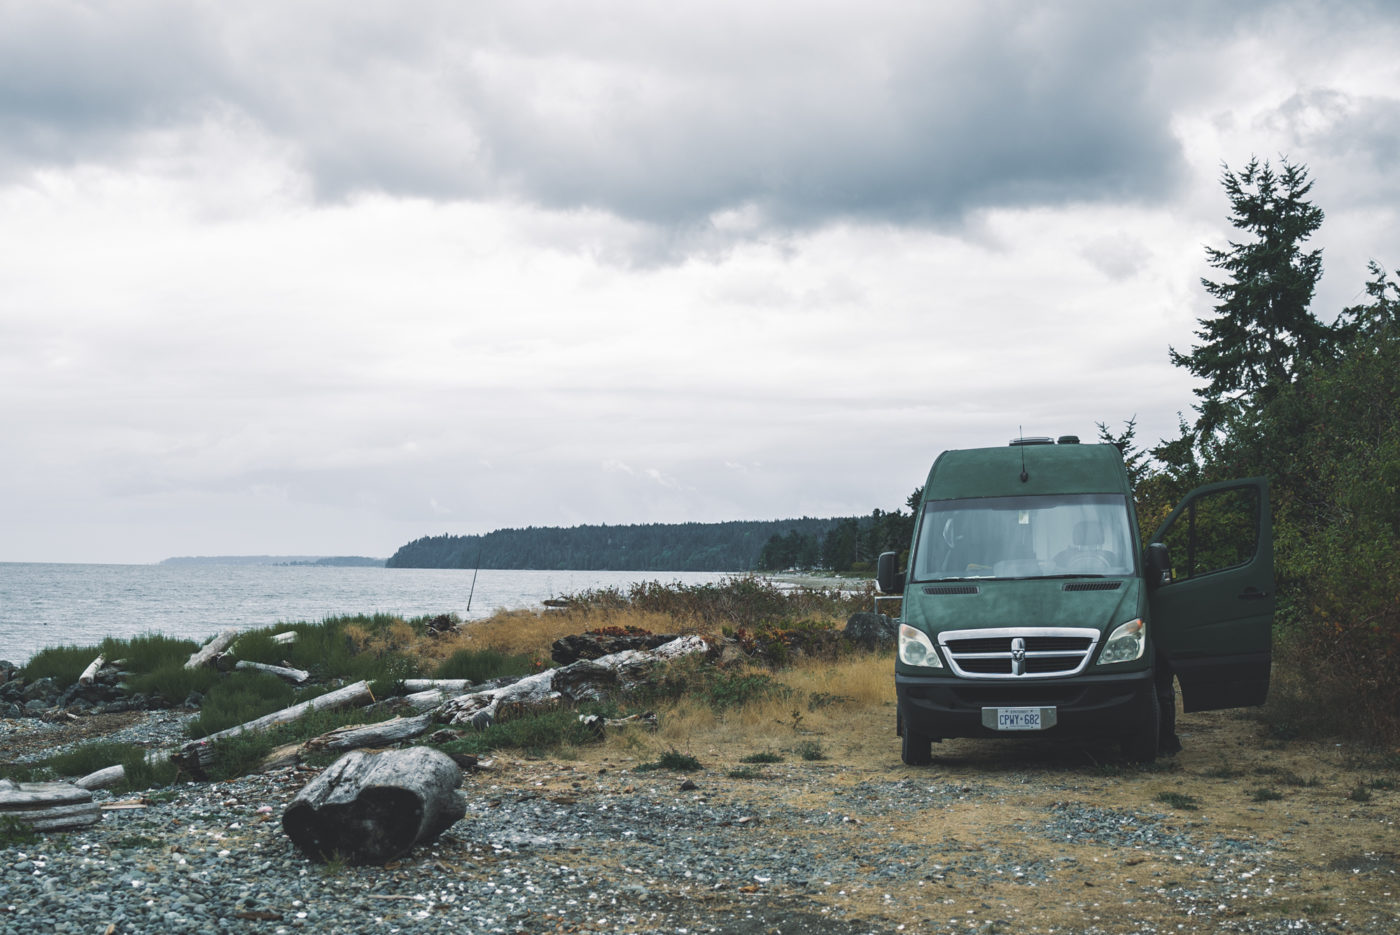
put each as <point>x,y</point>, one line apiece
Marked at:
<point>1214,617</point>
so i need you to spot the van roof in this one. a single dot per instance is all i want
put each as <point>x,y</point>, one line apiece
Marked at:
<point>1050,469</point>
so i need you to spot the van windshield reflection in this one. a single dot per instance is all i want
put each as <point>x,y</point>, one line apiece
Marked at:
<point>1061,536</point>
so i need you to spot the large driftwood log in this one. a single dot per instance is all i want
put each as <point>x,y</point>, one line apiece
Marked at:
<point>585,680</point>
<point>196,755</point>
<point>286,673</point>
<point>372,807</point>
<point>48,806</point>
<point>205,654</point>
<point>382,734</point>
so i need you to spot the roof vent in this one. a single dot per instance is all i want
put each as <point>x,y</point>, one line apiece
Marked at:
<point>1033,440</point>
<point>1069,440</point>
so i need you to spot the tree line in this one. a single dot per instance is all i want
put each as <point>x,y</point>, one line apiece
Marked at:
<point>730,546</point>
<point>1310,403</point>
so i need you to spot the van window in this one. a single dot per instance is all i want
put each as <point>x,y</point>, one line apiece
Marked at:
<point>1218,529</point>
<point>1025,537</point>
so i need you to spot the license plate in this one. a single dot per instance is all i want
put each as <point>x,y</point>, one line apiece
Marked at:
<point>1018,718</point>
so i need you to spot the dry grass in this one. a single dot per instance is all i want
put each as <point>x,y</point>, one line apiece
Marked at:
<point>528,633</point>
<point>815,712</point>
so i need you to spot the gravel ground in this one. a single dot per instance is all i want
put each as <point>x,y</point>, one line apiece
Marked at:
<point>990,839</point>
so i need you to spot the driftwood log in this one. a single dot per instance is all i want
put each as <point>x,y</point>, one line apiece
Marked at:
<point>286,673</point>
<point>354,736</point>
<point>585,680</point>
<point>48,806</point>
<point>90,673</point>
<point>205,654</point>
<point>446,685</point>
<point>372,807</point>
<point>196,755</point>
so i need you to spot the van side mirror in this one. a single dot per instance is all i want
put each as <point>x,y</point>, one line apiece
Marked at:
<point>1159,565</point>
<point>888,578</point>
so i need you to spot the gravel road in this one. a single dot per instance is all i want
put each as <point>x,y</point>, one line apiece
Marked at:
<point>992,838</point>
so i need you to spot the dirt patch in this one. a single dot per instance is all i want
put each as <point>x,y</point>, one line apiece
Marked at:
<point>1237,833</point>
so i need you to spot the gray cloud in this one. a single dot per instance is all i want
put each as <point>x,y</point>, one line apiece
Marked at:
<point>663,115</point>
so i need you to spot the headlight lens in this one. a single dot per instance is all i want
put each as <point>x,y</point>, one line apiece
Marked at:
<point>915,648</point>
<point>1126,643</point>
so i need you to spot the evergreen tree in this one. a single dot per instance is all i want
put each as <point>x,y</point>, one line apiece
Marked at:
<point>1380,315</point>
<point>1263,334</point>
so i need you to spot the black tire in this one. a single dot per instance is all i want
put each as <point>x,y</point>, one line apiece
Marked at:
<point>915,749</point>
<point>1141,745</point>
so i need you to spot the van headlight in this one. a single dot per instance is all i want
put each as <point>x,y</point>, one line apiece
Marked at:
<point>915,648</point>
<point>1126,643</point>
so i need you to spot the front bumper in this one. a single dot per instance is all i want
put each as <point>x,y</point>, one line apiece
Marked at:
<point>1085,705</point>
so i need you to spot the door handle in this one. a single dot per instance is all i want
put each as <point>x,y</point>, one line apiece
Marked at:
<point>1253,594</point>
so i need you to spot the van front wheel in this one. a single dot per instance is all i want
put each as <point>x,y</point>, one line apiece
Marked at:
<point>1141,745</point>
<point>915,749</point>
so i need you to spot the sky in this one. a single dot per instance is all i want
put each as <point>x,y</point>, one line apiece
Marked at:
<point>320,278</point>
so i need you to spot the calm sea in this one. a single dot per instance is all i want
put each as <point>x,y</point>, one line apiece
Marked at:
<point>58,605</point>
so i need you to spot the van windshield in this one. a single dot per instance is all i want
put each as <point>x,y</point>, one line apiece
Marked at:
<point>1075,535</point>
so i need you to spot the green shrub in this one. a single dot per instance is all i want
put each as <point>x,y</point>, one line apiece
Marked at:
<point>810,750</point>
<point>1179,800</point>
<point>239,697</point>
<point>736,689</point>
<point>762,758</point>
<point>149,651</point>
<point>482,665</point>
<point>532,732</point>
<point>673,760</point>
<point>14,832</point>
<point>740,601</point>
<point>63,664</point>
<point>88,758</point>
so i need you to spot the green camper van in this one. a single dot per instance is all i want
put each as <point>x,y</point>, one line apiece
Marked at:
<point>1030,609</point>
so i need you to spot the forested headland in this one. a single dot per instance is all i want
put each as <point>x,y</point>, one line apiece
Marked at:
<point>837,543</point>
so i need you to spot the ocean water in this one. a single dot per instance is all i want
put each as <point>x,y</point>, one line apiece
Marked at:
<point>59,605</point>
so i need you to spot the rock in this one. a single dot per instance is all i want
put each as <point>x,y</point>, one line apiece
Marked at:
<point>870,631</point>
<point>45,688</point>
<point>596,644</point>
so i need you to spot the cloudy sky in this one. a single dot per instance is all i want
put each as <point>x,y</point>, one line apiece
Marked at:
<point>322,278</point>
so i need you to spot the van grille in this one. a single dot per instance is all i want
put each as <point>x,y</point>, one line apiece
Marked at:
<point>1019,652</point>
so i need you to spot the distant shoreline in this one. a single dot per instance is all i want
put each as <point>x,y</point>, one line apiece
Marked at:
<point>338,561</point>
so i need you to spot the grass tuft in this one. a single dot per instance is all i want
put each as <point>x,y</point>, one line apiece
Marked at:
<point>673,760</point>
<point>1179,800</point>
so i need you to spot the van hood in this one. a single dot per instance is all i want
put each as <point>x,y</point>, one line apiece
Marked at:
<point>1101,603</point>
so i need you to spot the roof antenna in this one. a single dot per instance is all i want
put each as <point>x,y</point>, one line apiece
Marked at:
<point>1024,476</point>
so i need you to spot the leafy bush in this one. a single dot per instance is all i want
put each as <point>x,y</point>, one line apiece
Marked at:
<point>741,601</point>
<point>534,732</point>
<point>481,665</point>
<point>239,697</point>
<point>672,760</point>
<point>63,664</point>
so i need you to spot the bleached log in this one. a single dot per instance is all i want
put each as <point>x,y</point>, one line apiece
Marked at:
<point>198,754</point>
<point>372,807</point>
<point>206,653</point>
<point>447,685</point>
<point>90,673</point>
<point>48,806</point>
<point>102,778</point>
<point>285,638</point>
<point>355,736</point>
<point>115,775</point>
<point>286,673</point>
<point>584,680</point>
